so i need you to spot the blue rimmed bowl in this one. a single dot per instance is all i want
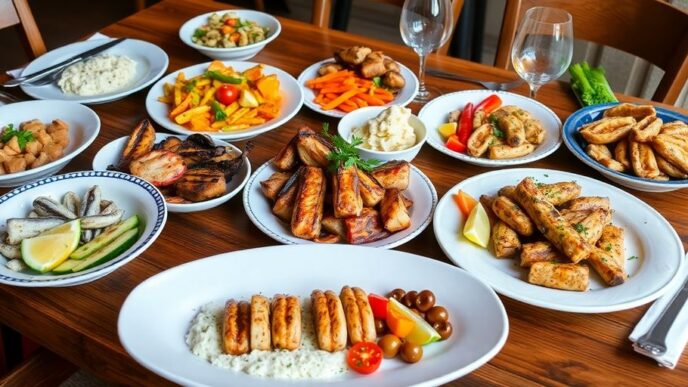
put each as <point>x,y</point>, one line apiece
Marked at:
<point>133,195</point>
<point>576,144</point>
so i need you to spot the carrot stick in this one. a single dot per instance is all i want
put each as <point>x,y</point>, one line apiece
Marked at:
<point>331,95</point>
<point>372,100</point>
<point>346,108</point>
<point>337,101</point>
<point>335,89</point>
<point>328,77</point>
<point>384,94</point>
<point>359,101</point>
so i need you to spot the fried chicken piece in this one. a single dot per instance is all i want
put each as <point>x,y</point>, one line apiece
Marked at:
<point>328,68</point>
<point>353,55</point>
<point>393,79</point>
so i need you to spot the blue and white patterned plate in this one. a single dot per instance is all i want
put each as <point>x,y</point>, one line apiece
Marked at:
<point>577,144</point>
<point>133,195</point>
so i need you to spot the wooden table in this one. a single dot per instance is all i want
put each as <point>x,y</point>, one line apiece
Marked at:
<point>544,347</point>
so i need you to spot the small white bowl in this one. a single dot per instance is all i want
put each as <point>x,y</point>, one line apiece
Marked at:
<point>110,155</point>
<point>360,116</point>
<point>84,126</point>
<point>231,53</point>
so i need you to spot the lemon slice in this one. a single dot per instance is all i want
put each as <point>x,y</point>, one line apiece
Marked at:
<point>447,129</point>
<point>422,333</point>
<point>51,248</point>
<point>477,227</point>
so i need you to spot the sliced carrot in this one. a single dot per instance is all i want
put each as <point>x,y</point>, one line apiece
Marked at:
<point>384,94</point>
<point>344,97</point>
<point>346,108</point>
<point>372,100</point>
<point>328,77</point>
<point>318,99</point>
<point>359,101</point>
<point>331,95</point>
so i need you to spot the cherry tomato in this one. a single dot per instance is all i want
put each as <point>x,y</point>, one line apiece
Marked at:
<point>364,357</point>
<point>379,305</point>
<point>226,94</point>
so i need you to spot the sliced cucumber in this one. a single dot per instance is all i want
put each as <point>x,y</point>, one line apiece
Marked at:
<point>110,251</point>
<point>105,238</point>
<point>66,266</point>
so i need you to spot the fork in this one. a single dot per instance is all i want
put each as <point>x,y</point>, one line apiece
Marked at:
<point>495,86</point>
<point>46,80</point>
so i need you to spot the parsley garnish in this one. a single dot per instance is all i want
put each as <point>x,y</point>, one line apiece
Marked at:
<point>377,81</point>
<point>545,175</point>
<point>632,258</point>
<point>23,136</point>
<point>345,154</point>
<point>199,33</point>
<point>497,133</point>
<point>608,247</point>
<point>493,120</point>
<point>581,229</point>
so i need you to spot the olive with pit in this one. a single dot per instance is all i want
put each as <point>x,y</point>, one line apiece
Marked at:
<point>397,294</point>
<point>444,329</point>
<point>380,326</point>
<point>409,300</point>
<point>425,300</point>
<point>390,345</point>
<point>437,314</point>
<point>411,353</point>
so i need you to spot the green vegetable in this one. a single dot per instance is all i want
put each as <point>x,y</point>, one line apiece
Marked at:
<point>497,133</point>
<point>377,81</point>
<point>220,114</point>
<point>581,229</point>
<point>345,154</point>
<point>199,33</point>
<point>110,251</point>
<point>23,136</point>
<point>590,85</point>
<point>190,86</point>
<point>105,238</point>
<point>223,78</point>
<point>632,258</point>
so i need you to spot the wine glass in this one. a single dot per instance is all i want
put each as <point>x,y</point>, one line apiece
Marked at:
<point>543,46</point>
<point>425,25</point>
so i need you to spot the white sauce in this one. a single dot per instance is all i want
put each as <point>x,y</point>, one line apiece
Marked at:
<point>389,131</point>
<point>98,75</point>
<point>307,362</point>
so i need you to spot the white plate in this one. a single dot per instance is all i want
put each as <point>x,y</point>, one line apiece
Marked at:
<point>151,63</point>
<point>403,98</point>
<point>133,195</point>
<point>262,19</point>
<point>154,319</point>
<point>292,99</point>
<point>436,113</point>
<point>259,210</point>
<point>110,155</point>
<point>84,126</point>
<point>660,251</point>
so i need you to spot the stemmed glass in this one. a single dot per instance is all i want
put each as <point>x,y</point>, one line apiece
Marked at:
<point>543,46</point>
<point>425,25</point>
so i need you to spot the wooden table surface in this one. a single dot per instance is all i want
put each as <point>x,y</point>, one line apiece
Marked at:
<point>544,347</point>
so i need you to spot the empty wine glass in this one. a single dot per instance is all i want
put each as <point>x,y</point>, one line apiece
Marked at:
<point>543,46</point>
<point>425,26</point>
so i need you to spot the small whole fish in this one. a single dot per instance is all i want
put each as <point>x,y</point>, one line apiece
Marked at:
<point>19,229</point>
<point>72,201</point>
<point>46,206</point>
<point>101,221</point>
<point>90,206</point>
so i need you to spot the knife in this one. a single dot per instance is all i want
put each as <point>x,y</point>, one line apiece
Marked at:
<point>77,58</point>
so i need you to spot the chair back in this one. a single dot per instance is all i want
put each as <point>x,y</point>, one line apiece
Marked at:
<point>17,13</point>
<point>650,29</point>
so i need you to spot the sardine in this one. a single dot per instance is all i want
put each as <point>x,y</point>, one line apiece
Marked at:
<point>48,207</point>
<point>19,229</point>
<point>72,201</point>
<point>9,251</point>
<point>94,222</point>
<point>90,206</point>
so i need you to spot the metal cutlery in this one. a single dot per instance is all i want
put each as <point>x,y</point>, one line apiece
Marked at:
<point>496,86</point>
<point>62,65</point>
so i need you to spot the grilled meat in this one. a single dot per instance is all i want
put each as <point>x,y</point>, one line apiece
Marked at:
<point>371,191</point>
<point>394,174</point>
<point>365,228</point>
<point>286,322</point>
<point>309,204</point>
<point>312,148</point>
<point>346,196</point>
<point>334,225</point>
<point>273,185</point>
<point>284,204</point>
<point>286,159</point>
<point>201,184</point>
<point>393,211</point>
<point>140,143</point>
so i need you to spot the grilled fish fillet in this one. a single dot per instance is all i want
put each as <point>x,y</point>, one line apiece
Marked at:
<point>505,240</point>
<point>260,323</point>
<point>538,252</point>
<point>511,214</point>
<point>235,327</point>
<point>330,321</point>
<point>606,267</point>
<point>286,158</point>
<point>550,222</point>
<point>365,228</point>
<point>312,148</point>
<point>201,184</point>
<point>274,184</point>
<point>588,203</point>
<point>395,216</point>
<point>371,191</point>
<point>612,242</point>
<point>286,322</point>
<point>309,204</point>
<point>346,196</point>
<point>394,174</point>
<point>334,225</point>
<point>565,276</point>
<point>359,316</point>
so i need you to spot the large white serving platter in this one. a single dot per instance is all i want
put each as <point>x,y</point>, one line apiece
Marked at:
<point>292,99</point>
<point>156,315</point>
<point>648,236</point>
<point>436,113</point>
<point>151,63</point>
<point>259,210</point>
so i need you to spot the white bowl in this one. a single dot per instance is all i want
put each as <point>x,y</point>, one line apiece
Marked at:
<point>292,99</point>
<point>84,126</point>
<point>436,112</point>
<point>232,53</point>
<point>133,195</point>
<point>360,116</point>
<point>110,155</point>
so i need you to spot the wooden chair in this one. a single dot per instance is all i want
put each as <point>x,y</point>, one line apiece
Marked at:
<point>650,29</point>
<point>17,13</point>
<point>323,8</point>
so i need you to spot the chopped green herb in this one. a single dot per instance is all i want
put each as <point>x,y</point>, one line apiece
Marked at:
<point>199,33</point>
<point>345,154</point>
<point>497,133</point>
<point>539,185</point>
<point>377,81</point>
<point>23,136</point>
<point>220,114</point>
<point>190,86</point>
<point>493,120</point>
<point>632,257</point>
<point>608,247</point>
<point>581,229</point>
<point>545,175</point>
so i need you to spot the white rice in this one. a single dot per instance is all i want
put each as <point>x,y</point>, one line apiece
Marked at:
<point>98,75</point>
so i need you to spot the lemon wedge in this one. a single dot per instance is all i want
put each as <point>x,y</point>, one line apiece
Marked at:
<point>51,248</point>
<point>447,129</point>
<point>421,333</point>
<point>477,227</point>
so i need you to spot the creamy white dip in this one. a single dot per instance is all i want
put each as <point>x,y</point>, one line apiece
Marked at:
<point>98,75</point>
<point>389,131</point>
<point>307,362</point>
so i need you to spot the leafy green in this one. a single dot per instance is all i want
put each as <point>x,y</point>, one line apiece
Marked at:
<point>377,81</point>
<point>220,114</point>
<point>23,136</point>
<point>222,78</point>
<point>199,33</point>
<point>590,85</point>
<point>345,154</point>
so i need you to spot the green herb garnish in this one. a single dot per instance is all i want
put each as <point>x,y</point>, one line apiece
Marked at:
<point>497,133</point>
<point>220,114</point>
<point>377,81</point>
<point>222,78</point>
<point>199,33</point>
<point>345,154</point>
<point>190,86</point>
<point>608,247</point>
<point>23,136</point>
<point>632,258</point>
<point>581,229</point>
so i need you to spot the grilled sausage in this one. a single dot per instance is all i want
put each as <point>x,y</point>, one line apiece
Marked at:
<point>393,211</point>
<point>550,222</point>
<point>309,204</point>
<point>511,214</point>
<point>565,276</point>
<point>235,327</point>
<point>330,321</point>
<point>286,322</point>
<point>346,196</point>
<point>260,323</point>
<point>359,316</point>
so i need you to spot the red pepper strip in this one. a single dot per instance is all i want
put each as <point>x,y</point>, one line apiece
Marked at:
<point>454,144</point>
<point>465,123</point>
<point>489,104</point>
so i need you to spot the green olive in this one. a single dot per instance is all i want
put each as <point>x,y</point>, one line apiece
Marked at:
<point>411,353</point>
<point>390,345</point>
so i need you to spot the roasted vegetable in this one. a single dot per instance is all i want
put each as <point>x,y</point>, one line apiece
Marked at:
<point>140,142</point>
<point>590,85</point>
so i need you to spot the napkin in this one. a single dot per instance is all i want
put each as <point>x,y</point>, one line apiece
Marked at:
<point>17,72</point>
<point>678,333</point>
